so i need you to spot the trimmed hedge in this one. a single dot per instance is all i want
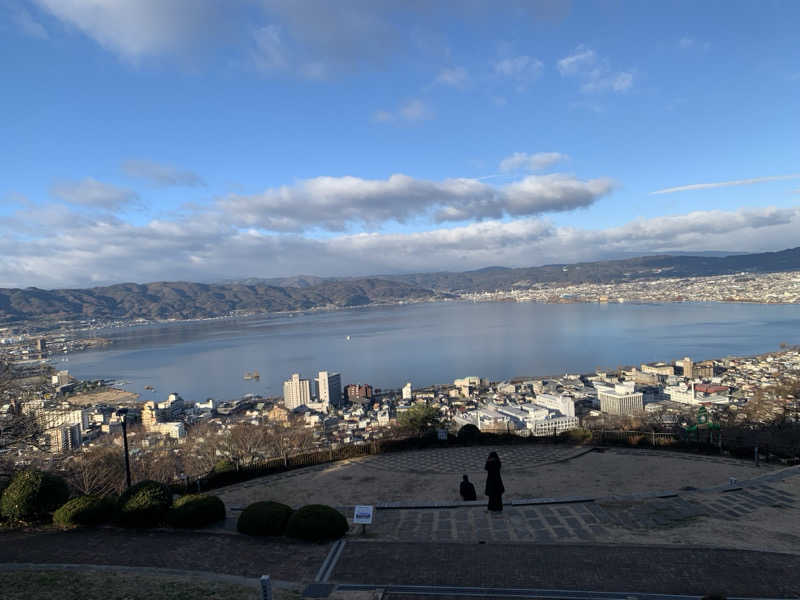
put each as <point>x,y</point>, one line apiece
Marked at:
<point>145,504</point>
<point>85,510</point>
<point>576,436</point>
<point>317,522</point>
<point>264,518</point>
<point>195,511</point>
<point>33,495</point>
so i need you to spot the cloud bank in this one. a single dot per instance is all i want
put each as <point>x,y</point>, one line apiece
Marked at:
<point>334,203</point>
<point>82,251</point>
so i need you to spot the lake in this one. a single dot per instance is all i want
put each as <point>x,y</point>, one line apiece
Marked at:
<point>426,344</point>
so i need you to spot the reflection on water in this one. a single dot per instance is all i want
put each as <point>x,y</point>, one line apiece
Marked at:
<point>428,343</point>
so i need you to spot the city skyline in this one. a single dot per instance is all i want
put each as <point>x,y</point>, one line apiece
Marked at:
<point>146,141</point>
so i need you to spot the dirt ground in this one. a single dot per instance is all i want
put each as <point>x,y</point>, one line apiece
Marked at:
<point>109,396</point>
<point>403,478</point>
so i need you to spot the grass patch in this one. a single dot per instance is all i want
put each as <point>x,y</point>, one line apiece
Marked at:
<point>109,585</point>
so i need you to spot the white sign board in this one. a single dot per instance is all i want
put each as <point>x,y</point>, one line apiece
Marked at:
<point>442,434</point>
<point>363,515</point>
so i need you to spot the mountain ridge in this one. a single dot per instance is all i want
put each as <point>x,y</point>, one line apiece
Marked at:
<point>188,300</point>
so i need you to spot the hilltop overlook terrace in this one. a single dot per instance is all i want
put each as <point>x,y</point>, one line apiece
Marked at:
<point>619,519</point>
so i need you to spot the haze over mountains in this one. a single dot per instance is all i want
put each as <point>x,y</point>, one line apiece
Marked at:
<point>183,300</point>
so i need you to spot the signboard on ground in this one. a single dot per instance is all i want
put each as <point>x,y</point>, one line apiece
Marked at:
<point>363,514</point>
<point>442,434</point>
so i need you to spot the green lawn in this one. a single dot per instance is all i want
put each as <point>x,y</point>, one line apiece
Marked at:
<point>105,585</point>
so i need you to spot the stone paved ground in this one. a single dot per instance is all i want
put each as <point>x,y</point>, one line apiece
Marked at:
<point>529,471</point>
<point>465,460</point>
<point>582,521</point>
<point>218,553</point>
<point>666,570</point>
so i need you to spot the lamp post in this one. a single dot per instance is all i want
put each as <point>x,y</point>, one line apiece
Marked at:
<point>122,413</point>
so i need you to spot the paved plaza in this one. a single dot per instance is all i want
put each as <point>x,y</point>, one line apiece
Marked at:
<point>580,521</point>
<point>529,471</point>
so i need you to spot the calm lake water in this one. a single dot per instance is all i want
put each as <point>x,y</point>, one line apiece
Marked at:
<point>427,344</point>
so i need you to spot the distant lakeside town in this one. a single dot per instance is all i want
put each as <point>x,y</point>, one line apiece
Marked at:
<point>69,416</point>
<point>18,341</point>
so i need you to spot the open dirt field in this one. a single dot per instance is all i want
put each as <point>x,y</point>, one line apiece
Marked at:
<point>109,396</point>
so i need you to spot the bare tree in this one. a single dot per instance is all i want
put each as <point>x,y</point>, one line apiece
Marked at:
<point>201,449</point>
<point>246,443</point>
<point>98,471</point>
<point>16,428</point>
<point>285,441</point>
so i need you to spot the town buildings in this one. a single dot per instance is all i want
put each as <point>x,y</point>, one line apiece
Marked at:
<point>329,388</point>
<point>296,392</point>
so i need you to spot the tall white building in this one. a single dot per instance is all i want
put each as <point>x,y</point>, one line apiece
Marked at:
<point>407,391</point>
<point>296,392</point>
<point>65,438</point>
<point>329,388</point>
<point>563,404</point>
<point>620,400</point>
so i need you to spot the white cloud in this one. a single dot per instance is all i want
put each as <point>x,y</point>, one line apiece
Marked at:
<point>705,186</point>
<point>335,203</point>
<point>579,61</point>
<point>137,29</point>
<point>160,174</point>
<point>531,162</point>
<point>79,251</point>
<point>92,193</point>
<point>594,72</point>
<point>28,25</point>
<point>520,69</point>
<point>269,53</point>
<point>455,76</point>
<point>413,111</point>
<point>686,43</point>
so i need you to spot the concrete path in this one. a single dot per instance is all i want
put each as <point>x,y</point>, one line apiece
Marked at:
<point>609,568</point>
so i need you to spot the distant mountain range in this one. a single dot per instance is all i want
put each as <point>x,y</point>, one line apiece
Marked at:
<point>181,300</point>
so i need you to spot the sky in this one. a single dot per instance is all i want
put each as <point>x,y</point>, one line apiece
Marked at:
<point>209,140</point>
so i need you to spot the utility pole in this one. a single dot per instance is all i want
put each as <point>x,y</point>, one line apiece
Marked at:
<point>122,413</point>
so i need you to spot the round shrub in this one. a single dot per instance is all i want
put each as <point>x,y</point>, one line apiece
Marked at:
<point>32,495</point>
<point>196,510</point>
<point>317,522</point>
<point>264,518</point>
<point>469,433</point>
<point>144,504</point>
<point>84,510</point>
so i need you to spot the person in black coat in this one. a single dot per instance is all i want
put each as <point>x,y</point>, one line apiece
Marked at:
<point>494,483</point>
<point>467,490</point>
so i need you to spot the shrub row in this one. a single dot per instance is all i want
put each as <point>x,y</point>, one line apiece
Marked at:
<point>33,495</point>
<point>313,523</point>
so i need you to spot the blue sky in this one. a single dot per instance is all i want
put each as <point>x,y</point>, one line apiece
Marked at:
<point>208,139</point>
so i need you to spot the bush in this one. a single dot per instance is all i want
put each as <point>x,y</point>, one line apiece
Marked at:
<point>32,495</point>
<point>196,510</point>
<point>469,434</point>
<point>576,436</point>
<point>317,522</point>
<point>264,518</point>
<point>85,510</point>
<point>144,504</point>
<point>222,466</point>
<point>635,440</point>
